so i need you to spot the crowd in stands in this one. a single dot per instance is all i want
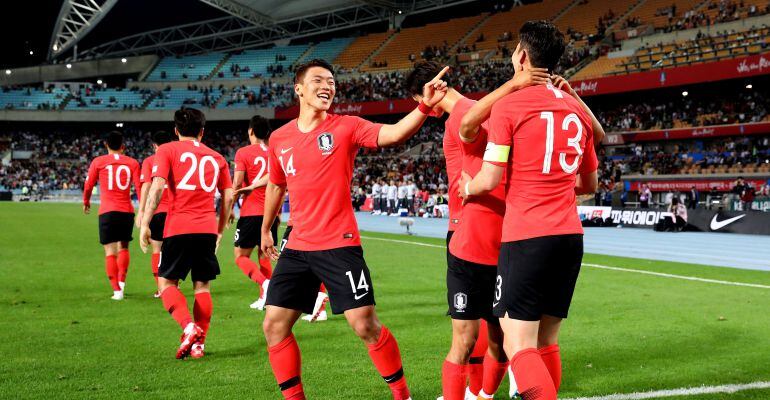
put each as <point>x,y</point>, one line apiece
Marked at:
<point>716,12</point>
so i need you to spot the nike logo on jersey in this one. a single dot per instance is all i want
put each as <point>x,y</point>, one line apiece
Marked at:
<point>716,224</point>
<point>357,297</point>
<point>284,151</point>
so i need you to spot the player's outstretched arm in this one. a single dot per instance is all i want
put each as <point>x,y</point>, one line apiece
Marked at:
<point>153,199</point>
<point>273,199</point>
<point>142,201</point>
<point>432,94</point>
<point>88,187</point>
<point>476,115</point>
<point>562,84</point>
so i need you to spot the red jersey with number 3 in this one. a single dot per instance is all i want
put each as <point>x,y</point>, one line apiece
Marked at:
<point>316,168</point>
<point>551,138</point>
<point>252,160</point>
<point>454,162</point>
<point>193,173</point>
<point>146,177</point>
<point>114,172</point>
<point>477,238</point>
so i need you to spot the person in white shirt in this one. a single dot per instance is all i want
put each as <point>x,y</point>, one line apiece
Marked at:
<point>411,191</point>
<point>402,195</point>
<point>376,193</point>
<point>392,196</point>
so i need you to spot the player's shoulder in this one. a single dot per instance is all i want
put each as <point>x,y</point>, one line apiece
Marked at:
<point>129,160</point>
<point>284,130</point>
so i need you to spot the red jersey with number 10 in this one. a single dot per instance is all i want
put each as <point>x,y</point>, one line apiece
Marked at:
<point>551,137</point>
<point>252,160</point>
<point>316,168</point>
<point>193,173</point>
<point>146,177</point>
<point>114,172</point>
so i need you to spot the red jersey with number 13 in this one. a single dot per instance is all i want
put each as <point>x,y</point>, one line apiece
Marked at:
<point>193,173</point>
<point>114,172</point>
<point>146,177</point>
<point>544,138</point>
<point>252,160</point>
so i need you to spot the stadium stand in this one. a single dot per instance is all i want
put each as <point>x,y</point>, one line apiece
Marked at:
<point>186,68</point>
<point>172,99</point>
<point>32,98</point>
<point>274,61</point>
<point>659,13</point>
<point>589,17</point>
<point>328,50</point>
<point>360,49</point>
<point>103,99</point>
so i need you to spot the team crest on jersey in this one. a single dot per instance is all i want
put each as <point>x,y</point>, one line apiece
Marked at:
<point>326,142</point>
<point>461,301</point>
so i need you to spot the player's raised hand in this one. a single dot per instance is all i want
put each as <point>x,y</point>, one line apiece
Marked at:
<point>435,90</point>
<point>560,83</point>
<point>144,238</point>
<point>86,208</point>
<point>531,77</point>
<point>268,247</point>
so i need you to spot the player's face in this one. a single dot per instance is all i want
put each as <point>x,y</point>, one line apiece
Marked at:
<point>317,88</point>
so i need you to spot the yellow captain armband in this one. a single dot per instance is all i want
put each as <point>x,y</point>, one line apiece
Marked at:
<point>496,153</point>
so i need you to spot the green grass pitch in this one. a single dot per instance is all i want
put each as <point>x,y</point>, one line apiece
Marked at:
<point>62,337</point>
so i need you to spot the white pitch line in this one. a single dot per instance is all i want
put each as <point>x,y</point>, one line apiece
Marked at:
<point>599,266</point>
<point>680,392</point>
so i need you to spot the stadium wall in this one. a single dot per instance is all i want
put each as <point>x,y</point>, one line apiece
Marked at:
<point>79,70</point>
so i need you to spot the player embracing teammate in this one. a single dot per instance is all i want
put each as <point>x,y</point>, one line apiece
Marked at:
<point>193,173</point>
<point>541,145</point>
<point>312,157</point>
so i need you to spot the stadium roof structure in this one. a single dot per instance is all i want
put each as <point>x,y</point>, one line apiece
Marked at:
<point>246,24</point>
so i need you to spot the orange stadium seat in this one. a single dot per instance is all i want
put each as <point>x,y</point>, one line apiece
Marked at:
<point>601,66</point>
<point>584,17</point>
<point>361,48</point>
<point>646,12</point>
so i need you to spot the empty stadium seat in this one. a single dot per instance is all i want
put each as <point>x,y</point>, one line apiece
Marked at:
<point>31,99</point>
<point>258,61</point>
<point>187,68</point>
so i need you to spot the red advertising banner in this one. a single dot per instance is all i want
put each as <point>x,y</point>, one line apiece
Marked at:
<point>684,185</point>
<point>757,128</point>
<point>660,78</point>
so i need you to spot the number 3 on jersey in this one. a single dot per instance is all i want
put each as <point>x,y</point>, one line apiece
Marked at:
<point>288,167</point>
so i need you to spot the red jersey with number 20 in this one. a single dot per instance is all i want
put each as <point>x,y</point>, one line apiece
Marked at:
<point>316,168</point>
<point>114,172</point>
<point>146,177</point>
<point>252,160</point>
<point>477,239</point>
<point>193,173</point>
<point>552,140</point>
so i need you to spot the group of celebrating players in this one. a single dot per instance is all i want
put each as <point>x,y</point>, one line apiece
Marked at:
<point>516,160</point>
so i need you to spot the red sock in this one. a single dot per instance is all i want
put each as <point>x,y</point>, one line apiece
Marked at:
<point>475,364</point>
<point>494,371</point>
<point>265,267</point>
<point>155,260</point>
<point>532,376</point>
<point>202,309</point>
<point>387,359</point>
<point>453,380</point>
<point>111,266</point>
<point>287,367</point>
<point>552,361</point>
<point>123,260</point>
<point>250,268</point>
<point>176,305</point>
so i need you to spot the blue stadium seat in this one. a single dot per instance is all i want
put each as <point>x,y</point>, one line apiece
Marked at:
<point>256,62</point>
<point>107,99</point>
<point>175,98</point>
<point>30,99</point>
<point>193,67</point>
<point>328,50</point>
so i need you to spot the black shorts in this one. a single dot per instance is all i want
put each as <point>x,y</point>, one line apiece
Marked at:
<point>285,239</point>
<point>189,253</point>
<point>116,226</point>
<point>298,276</point>
<point>537,276</point>
<point>157,226</point>
<point>470,290</point>
<point>248,232</point>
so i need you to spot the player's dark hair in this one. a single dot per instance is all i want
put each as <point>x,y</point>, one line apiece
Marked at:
<point>544,43</point>
<point>299,73</point>
<point>422,73</point>
<point>189,122</point>
<point>260,126</point>
<point>675,201</point>
<point>162,137</point>
<point>114,140</point>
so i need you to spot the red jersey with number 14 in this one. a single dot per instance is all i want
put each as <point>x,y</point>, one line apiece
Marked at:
<point>193,173</point>
<point>114,172</point>
<point>551,139</point>
<point>252,160</point>
<point>146,177</point>
<point>316,168</point>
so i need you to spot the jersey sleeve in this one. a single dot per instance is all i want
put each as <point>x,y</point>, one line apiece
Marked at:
<point>146,173</point>
<point>88,185</point>
<point>365,133</point>
<point>478,144</point>
<point>162,165</point>
<point>590,162</point>
<point>499,137</point>
<point>240,161</point>
<point>274,168</point>
<point>224,181</point>
<point>136,173</point>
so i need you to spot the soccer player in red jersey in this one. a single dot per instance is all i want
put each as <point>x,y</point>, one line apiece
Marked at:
<point>251,167</point>
<point>158,221</point>
<point>473,249</point>
<point>312,156</point>
<point>192,172</point>
<point>114,172</point>
<point>541,141</point>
